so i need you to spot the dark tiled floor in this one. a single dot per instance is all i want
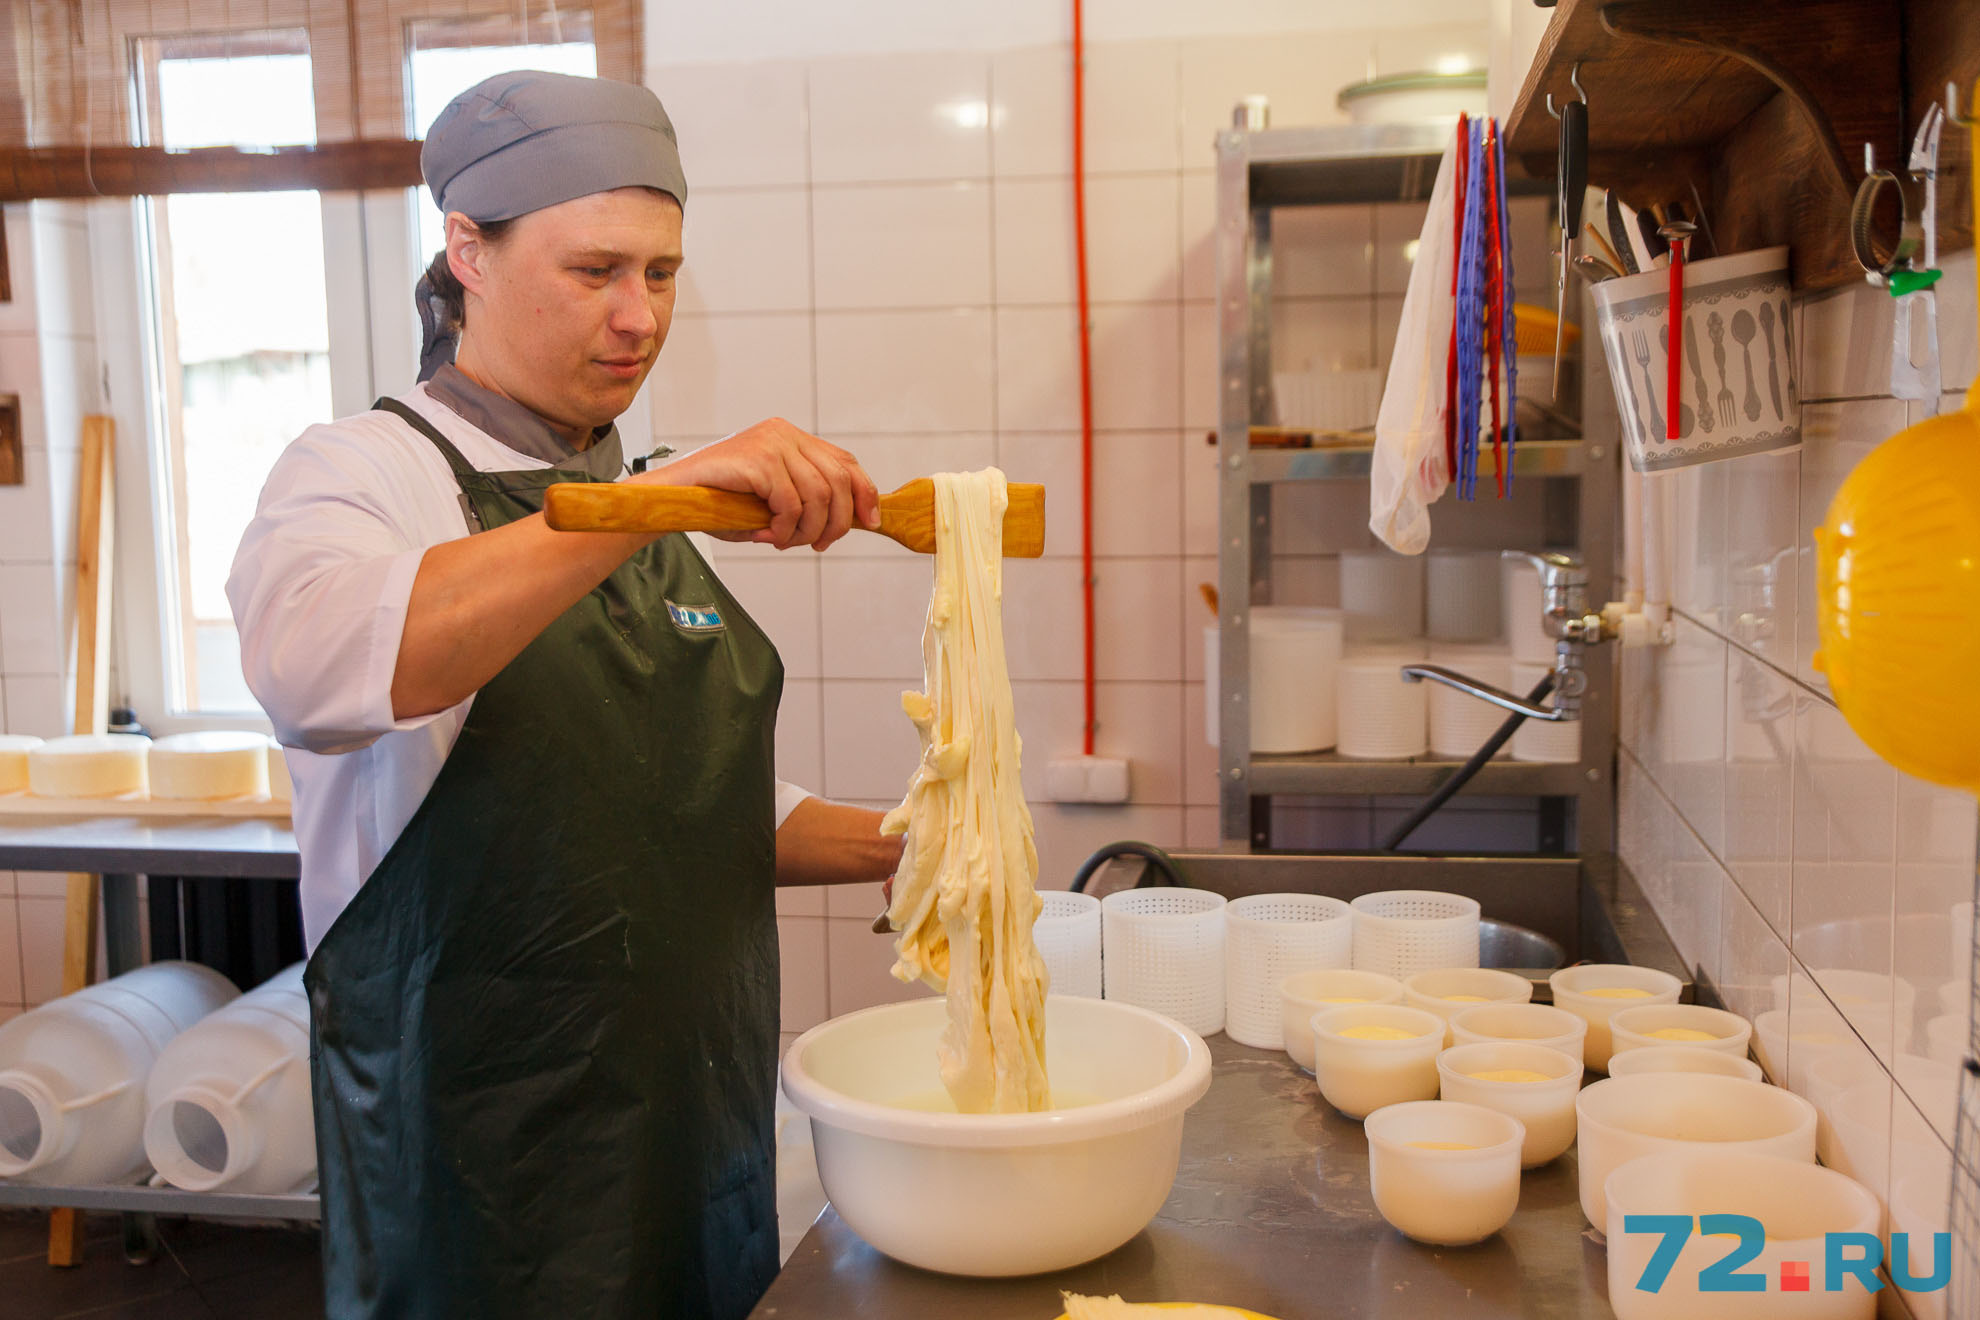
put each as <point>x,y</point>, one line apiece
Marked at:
<point>202,1271</point>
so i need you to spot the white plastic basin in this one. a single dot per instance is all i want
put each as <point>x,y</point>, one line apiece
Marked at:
<point>1796,1204</point>
<point>1621,1118</point>
<point>996,1195</point>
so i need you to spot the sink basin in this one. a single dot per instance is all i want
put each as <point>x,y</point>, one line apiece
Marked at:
<point>1502,944</point>
<point>1552,910</point>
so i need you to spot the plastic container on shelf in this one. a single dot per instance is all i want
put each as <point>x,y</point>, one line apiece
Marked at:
<point>228,1102</point>
<point>1164,951</point>
<point>1541,740</point>
<point>1459,722</point>
<point>1521,600</point>
<point>1461,595</point>
<point>1381,595</point>
<point>1400,932</point>
<point>1295,656</point>
<point>1380,716</point>
<point>72,1072</point>
<point>1268,937</point>
<point>1067,935</point>
<point>1295,652</point>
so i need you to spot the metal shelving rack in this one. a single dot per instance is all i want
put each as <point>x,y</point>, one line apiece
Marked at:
<point>1259,170</point>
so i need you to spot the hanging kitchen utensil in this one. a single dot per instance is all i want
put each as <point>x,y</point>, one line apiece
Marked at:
<point>1916,376</point>
<point>1492,271</point>
<point>1593,269</point>
<point>1619,227</point>
<point>1604,253</point>
<point>1897,594</point>
<point>906,515</point>
<point>1650,232</point>
<point>1462,159</point>
<point>1471,313</point>
<point>1676,235</point>
<point>1506,327</point>
<point>1573,173</point>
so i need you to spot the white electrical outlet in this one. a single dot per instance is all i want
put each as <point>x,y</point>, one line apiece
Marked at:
<point>1101,779</point>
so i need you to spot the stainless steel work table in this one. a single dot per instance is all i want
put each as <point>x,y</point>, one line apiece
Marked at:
<point>1271,1209</point>
<point>1271,1212</point>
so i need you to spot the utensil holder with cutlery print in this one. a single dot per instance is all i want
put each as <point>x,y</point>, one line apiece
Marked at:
<point>1738,393</point>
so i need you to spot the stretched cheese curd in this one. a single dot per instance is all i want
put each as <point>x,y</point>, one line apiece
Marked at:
<point>964,897</point>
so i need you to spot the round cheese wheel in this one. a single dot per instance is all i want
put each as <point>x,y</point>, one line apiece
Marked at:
<point>209,766</point>
<point>14,749</point>
<point>280,787</point>
<point>88,765</point>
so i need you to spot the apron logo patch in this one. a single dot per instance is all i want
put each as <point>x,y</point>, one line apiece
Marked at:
<point>696,618</point>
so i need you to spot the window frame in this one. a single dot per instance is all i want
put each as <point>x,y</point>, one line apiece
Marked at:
<point>373,336</point>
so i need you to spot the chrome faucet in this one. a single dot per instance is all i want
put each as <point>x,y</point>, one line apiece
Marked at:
<point>1566,617</point>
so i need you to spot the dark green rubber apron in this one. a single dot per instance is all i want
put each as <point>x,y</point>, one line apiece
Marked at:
<point>544,1032</point>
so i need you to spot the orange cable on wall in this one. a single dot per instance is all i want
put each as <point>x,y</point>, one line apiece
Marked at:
<point>1085,360</point>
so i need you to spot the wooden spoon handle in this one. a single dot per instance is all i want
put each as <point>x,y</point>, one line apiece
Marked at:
<point>907,515</point>
<point>598,506</point>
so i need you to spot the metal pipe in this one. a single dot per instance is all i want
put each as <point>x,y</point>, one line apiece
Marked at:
<point>1564,709</point>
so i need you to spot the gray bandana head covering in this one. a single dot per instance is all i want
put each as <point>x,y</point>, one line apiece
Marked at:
<point>518,142</point>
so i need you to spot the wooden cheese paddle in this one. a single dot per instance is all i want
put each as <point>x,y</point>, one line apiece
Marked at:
<point>907,515</point>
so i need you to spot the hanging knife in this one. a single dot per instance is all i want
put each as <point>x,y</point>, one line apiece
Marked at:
<point>1573,188</point>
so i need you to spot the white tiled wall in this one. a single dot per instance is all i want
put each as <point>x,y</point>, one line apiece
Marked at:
<point>1826,895</point>
<point>48,358</point>
<point>880,247</point>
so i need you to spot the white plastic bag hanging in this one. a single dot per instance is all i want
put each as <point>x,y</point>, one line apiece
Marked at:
<point>1409,469</point>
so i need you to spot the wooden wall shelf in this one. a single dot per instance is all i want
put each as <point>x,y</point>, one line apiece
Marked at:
<point>1764,108</point>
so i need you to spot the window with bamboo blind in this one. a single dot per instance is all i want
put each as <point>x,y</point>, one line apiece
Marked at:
<point>73,99</point>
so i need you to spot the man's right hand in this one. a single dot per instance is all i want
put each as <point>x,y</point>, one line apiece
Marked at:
<point>814,488</point>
